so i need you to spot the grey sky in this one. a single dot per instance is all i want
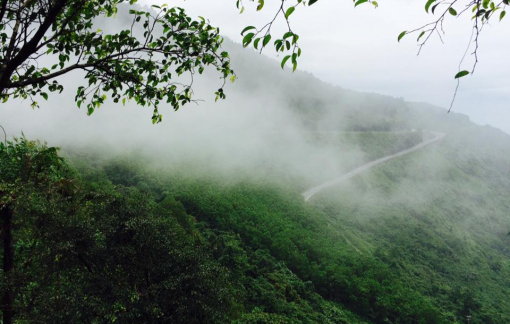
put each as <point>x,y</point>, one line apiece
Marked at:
<point>357,49</point>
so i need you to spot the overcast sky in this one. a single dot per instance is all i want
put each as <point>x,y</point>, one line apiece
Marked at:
<point>358,49</point>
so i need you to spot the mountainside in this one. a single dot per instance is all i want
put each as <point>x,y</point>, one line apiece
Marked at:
<point>201,219</point>
<point>420,239</point>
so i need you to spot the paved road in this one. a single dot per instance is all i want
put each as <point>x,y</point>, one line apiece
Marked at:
<point>309,193</point>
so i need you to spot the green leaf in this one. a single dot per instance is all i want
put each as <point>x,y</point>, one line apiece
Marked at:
<point>311,2</point>
<point>288,34</point>
<point>461,74</point>
<point>359,2</point>
<point>452,11</point>
<point>427,5</point>
<point>375,4</point>
<point>247,39</point>
<point>289,12</point>
<point>266,40</point>
<point>421,34</point>
<point>285,59</point>
<point>434,7</point>
<point>261,5</point>
<point>256,43</point>
<point>502,15</point>
<point>246,29</point>
<point>402,34</point>
<point>44,95</point>
<point>480,12</point>
<point>278,44</point>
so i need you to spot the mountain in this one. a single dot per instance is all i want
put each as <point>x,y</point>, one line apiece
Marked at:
<point>201,220</point>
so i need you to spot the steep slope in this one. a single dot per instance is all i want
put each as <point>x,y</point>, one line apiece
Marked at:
<point>438,218</point>
<point>420,239</point>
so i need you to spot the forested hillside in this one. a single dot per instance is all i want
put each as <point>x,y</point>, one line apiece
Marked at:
<point>421,239</point>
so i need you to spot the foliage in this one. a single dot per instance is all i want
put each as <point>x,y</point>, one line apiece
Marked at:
<point>140,63</point>
<point>120,244</point>
<point>107,255</point>
<point>438,219</point>
<point>422,239</point>
<point>92,251</point>
<point>28,166</point>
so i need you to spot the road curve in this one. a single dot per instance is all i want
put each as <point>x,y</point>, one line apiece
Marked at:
<point>310,192</point>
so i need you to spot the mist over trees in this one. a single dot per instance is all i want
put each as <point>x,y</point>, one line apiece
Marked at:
<point>200,219</point>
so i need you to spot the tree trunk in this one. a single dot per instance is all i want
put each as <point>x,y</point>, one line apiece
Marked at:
<point>8,295</point>
<point>30,46</point>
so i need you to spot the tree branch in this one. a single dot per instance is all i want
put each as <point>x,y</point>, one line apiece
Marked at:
<point>3,9</point>
<point>76,66</point>
<point>64,25</point>
<point>29,48</point>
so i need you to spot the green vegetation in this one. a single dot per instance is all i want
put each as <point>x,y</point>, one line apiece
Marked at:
<point>439,220</point>
<point>88,250</point>
<point>139,60</point>
<point>97,239</point>
<point>117,242</point>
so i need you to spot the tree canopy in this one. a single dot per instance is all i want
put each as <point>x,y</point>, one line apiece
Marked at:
<point>141,63</point>
<point>83,252</point>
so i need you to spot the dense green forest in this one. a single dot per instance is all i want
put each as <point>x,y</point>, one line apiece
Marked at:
<point>101,239</point>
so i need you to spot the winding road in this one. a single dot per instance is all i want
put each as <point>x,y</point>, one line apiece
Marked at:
<point>311,192</point>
